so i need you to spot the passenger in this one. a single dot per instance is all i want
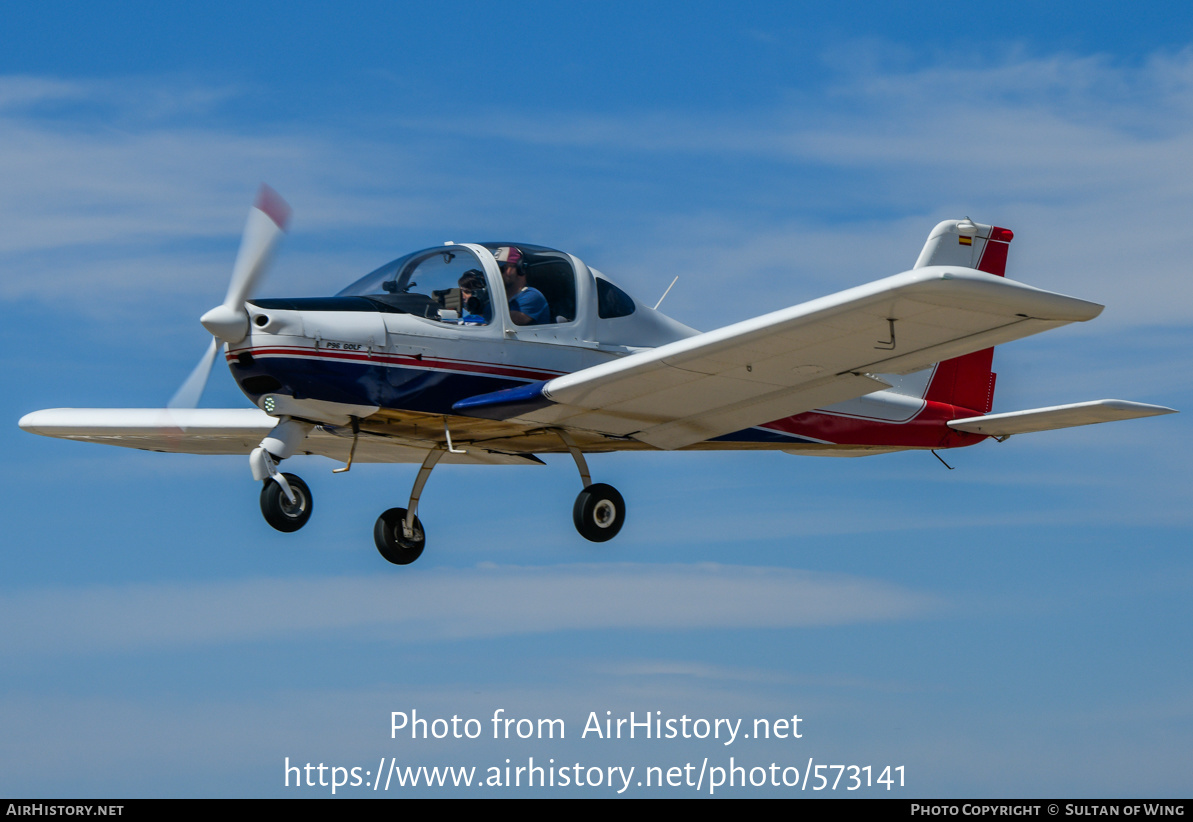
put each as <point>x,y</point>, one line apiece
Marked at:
<point>474,304</point>
<point>528,306</point>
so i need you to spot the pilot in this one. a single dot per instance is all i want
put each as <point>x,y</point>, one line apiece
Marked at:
<point>474,308</point>
<point>528,306</point>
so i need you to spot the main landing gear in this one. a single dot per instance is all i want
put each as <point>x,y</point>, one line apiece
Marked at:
<point>398,542</point>
<point>599,511</point>
<point>287,502</point>
<point>398,534</point>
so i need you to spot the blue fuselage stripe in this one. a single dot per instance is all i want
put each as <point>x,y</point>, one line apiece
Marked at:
<point>361,383</point>
<point>424,390</point>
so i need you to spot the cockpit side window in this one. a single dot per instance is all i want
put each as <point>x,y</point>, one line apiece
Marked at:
<point>550,273</point>
<point>555,279</point>
<point>612,301</point>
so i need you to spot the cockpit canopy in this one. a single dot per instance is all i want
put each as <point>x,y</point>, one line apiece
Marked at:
<point>449,283</point>
<point>463,285</point>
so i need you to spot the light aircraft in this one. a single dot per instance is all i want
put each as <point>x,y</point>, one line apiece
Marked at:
<point>494,353</point>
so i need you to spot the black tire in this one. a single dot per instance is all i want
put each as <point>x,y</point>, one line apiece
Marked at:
<point>599,512</point>
<point>279,512</point>
<point>392,543</point>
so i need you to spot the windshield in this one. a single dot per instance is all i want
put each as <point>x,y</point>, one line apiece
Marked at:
<point>419,272</point>
<point>445,283</point>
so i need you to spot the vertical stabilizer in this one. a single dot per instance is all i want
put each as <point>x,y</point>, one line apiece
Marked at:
<point>969,244</point>
<point>966,381</point>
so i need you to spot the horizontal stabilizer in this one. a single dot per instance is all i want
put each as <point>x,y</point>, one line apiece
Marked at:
<point>1058,416</point>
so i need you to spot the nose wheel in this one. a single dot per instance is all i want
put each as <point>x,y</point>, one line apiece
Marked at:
<point>281,513</point>
<point>286,501</point>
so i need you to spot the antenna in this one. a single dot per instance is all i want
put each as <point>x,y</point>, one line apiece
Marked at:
<point>665,293</point>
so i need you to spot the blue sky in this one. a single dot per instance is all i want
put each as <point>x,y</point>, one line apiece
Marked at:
<point>1016,627</point>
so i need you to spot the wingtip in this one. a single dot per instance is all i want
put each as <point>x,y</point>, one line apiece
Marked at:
<point>1140,409</point>
<point>35,422</point>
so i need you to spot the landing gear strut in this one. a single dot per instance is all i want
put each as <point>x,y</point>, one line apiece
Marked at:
<point>599,511</point>
<point>286,501</point>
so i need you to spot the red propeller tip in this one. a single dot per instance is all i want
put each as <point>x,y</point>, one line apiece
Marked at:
<point>275,208</point>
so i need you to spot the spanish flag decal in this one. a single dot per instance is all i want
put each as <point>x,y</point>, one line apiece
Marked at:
<point>963,240</point>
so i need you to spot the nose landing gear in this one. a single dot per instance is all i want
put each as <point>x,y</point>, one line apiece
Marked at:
<point>286,501</point>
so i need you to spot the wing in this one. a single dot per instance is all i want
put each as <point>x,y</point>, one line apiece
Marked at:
<point>790,361</point>
<point>231,431</point>
<point>1057,416</point>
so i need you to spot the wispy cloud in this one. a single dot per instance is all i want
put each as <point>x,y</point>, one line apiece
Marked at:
<point>1075,153</point>
<point>488,601</point>
<point>131,97</point>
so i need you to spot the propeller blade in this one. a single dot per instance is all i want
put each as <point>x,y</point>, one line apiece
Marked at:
<point>187,396</point>
<point>267,221</point>
<point>265,225</point>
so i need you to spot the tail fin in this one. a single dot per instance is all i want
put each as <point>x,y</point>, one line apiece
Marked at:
<point>969,244</point>
<point>966,381</point>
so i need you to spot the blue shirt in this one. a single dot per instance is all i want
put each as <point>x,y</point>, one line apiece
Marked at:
<point>532,303</point>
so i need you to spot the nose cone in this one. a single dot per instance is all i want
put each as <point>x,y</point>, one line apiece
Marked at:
<point>227,323</point>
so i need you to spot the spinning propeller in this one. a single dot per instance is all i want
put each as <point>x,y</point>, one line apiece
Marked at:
<point>229,321</point>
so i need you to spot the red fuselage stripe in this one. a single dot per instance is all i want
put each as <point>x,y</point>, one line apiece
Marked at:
<point>429,363</point>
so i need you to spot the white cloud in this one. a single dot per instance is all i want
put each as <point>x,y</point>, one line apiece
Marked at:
<point>455,604</point>
<point>1079,155</point>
